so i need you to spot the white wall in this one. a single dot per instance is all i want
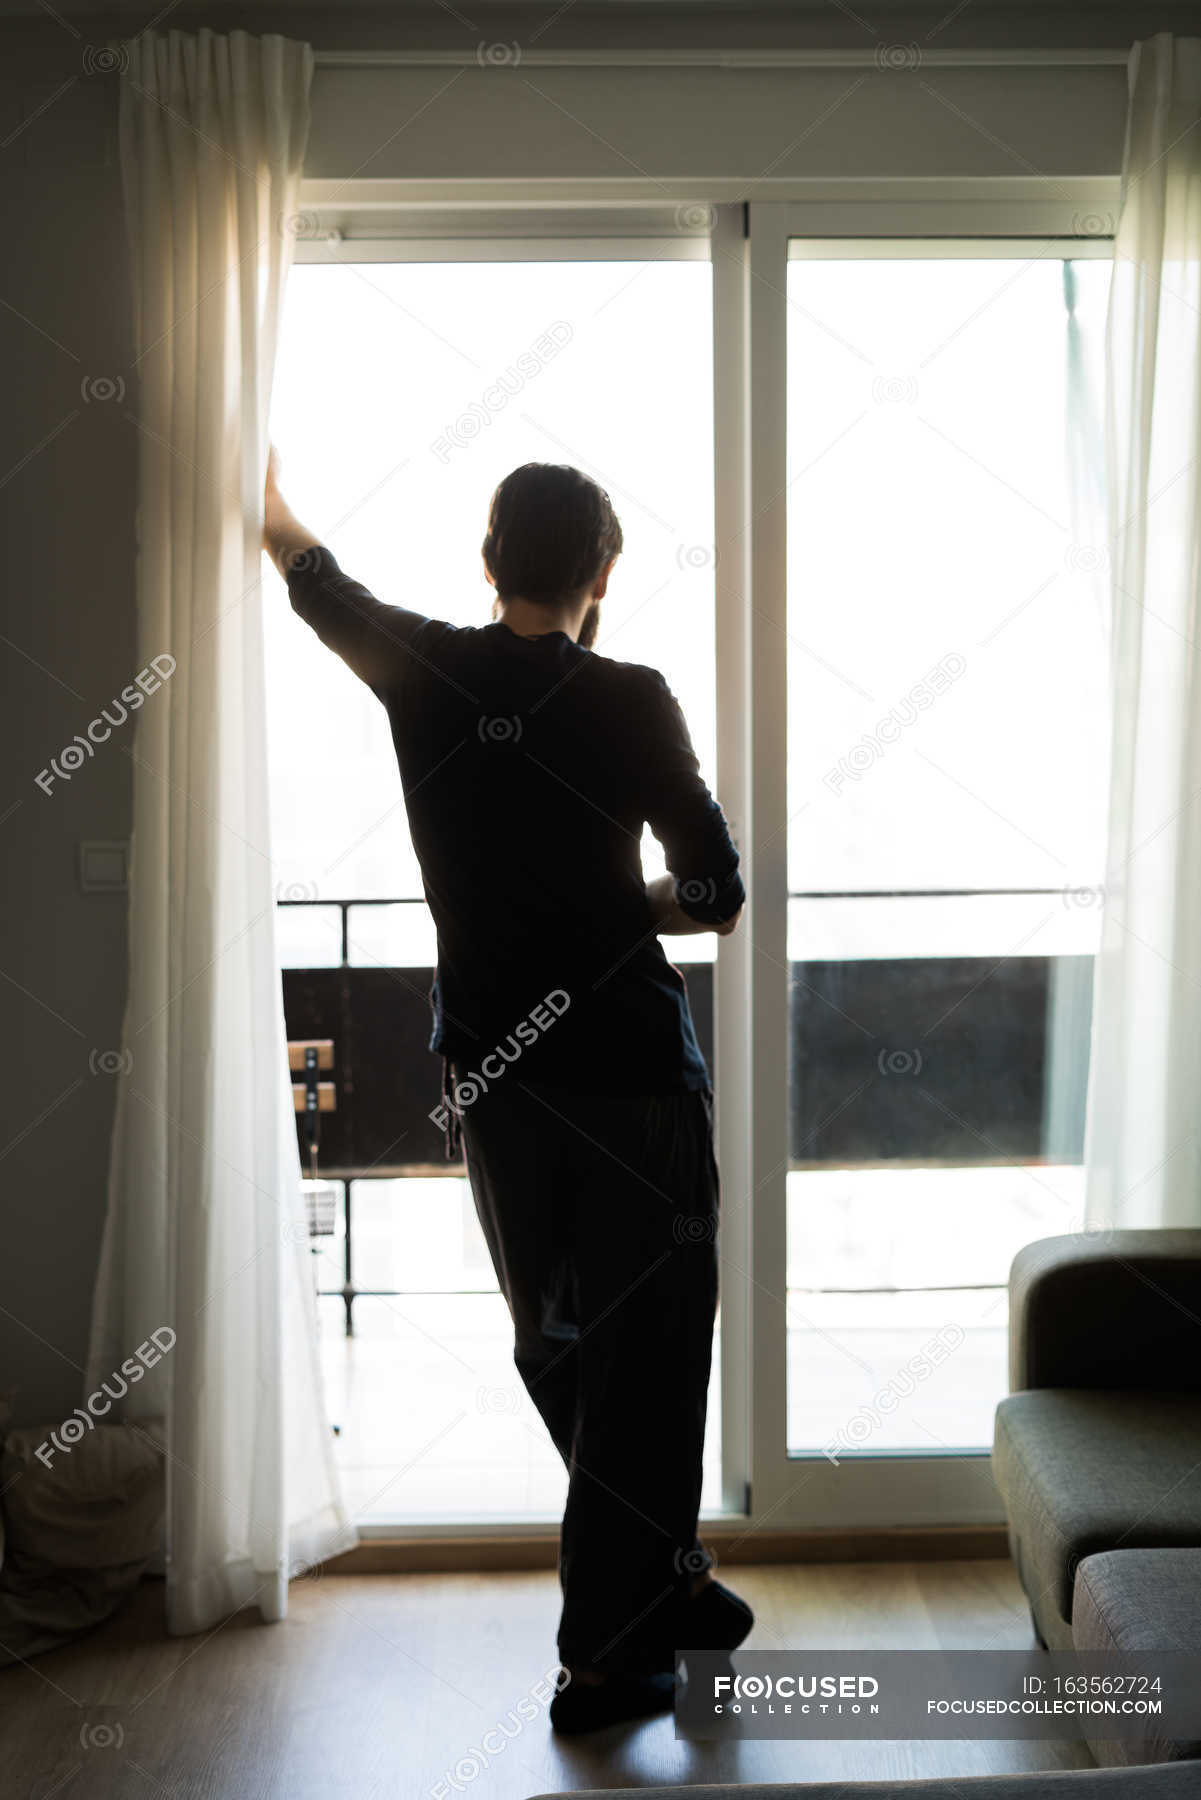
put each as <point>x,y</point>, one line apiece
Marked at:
<point>69,647</point>
<point>762,126</point>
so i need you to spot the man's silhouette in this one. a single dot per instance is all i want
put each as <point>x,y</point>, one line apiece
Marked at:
<point>571,1071</point>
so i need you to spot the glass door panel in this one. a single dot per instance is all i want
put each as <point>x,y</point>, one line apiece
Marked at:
<point>947,709</point>
<point>404,392</point>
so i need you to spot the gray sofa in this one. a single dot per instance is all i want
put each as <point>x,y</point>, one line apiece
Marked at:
<point>1097,1449</point>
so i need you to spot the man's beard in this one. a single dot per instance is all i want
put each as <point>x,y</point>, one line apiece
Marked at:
<point>590,626</point>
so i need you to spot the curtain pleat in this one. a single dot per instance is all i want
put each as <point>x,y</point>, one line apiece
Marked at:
<point>205,1231</point>
<point>1143,1149</point>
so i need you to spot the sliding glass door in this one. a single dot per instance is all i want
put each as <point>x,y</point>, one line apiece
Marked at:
<point>929,614</point>
<point>862,491</point>
<point>412,376</point>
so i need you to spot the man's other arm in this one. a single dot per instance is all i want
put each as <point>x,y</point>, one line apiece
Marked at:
<point>703,890</point>
<point>671,918</point>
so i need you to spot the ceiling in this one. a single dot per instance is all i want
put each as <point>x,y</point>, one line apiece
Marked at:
<point>820,24</point>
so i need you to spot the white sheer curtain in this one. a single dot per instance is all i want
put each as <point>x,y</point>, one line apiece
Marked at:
<point>1144,1132</point>
<point>205,1233</point>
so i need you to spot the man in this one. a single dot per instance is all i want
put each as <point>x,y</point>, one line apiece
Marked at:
<point>570,1063</point>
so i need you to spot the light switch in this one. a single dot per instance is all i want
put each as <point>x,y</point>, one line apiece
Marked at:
<point>104,868</point>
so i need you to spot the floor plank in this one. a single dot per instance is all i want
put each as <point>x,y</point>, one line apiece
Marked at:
<point>380,1687</point>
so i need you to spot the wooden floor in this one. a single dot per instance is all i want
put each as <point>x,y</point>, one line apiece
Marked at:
<point>376,1687</point>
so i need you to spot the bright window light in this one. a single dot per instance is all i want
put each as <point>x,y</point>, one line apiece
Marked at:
<point>403,393</point>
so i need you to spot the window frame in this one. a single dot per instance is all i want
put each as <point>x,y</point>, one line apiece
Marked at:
<point>470,233</point>
<point>748,242</point>
<point>880,1488</point>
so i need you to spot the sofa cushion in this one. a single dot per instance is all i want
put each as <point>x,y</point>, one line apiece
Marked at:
<point>1066,1292</point>
<point>1170,1781</point>
<point>1083,1471</point>
<point>1126,1602</point>
<point>1129,1601</point>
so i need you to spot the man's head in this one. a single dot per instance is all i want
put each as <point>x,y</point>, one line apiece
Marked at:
<point>552,539</point>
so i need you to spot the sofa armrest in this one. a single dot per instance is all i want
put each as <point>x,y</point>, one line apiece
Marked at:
<point>1108,1309</point>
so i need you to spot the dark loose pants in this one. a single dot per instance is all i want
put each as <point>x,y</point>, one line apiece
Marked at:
<point>601,1218</point>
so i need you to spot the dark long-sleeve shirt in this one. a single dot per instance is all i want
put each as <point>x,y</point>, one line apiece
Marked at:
<point>529,767</point>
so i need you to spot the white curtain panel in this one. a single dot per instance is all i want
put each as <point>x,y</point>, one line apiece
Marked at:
<point>1144,1118</point>
<point>205,1234</point>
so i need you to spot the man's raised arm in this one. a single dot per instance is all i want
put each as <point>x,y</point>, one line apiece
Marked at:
<point>285,539</point>
<point>373,639</point>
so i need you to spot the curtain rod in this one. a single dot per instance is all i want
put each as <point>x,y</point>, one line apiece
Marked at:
<point>899,58</point>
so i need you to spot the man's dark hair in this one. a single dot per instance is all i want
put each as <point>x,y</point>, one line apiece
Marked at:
<point>550,533</point>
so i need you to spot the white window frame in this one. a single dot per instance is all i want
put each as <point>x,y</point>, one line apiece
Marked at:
<point>749,243</point>
<point>647,231</point>
<point>937,1488</point>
